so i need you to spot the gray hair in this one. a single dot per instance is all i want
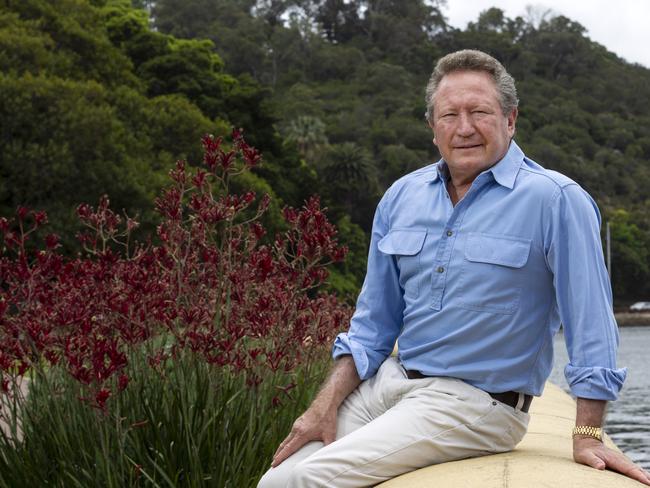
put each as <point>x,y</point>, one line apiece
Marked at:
<point>473,60</point>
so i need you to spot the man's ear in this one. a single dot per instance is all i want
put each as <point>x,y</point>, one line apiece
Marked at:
<point>434,132</point>
<point>512,121</point>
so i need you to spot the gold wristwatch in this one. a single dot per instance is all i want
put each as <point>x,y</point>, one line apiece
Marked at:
<point>588,430</point>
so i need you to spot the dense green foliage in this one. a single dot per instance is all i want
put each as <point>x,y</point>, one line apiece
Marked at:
<point>94,100</point>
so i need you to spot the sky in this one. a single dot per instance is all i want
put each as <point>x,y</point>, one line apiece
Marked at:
<point>620,25</point>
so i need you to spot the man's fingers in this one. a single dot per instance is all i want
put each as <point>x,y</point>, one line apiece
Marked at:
<point>647,477</point>
<point>640,475</point>
<point>286,449</point>
<point>308,427</point>
<point>594,461</point>
<point>329,437</point>
<point>634,472</point>
<point>623,465</point>
<point>603,457</point>
<point>282,444</point>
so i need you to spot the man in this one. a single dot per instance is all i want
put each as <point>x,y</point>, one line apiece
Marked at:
<point>474,262</point>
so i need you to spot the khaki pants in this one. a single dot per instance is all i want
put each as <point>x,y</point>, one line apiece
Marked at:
<point>391,425</point>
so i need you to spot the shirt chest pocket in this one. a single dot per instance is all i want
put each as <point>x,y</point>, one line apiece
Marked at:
<point>405,245</point>
<point>492,274</point>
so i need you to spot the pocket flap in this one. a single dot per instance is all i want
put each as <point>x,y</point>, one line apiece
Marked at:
<point>403,242</point>
<point>505,251</point>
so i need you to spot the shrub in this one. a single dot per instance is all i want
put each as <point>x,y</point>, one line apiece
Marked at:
<point>166,363</point>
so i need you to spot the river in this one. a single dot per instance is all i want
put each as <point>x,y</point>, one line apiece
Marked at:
<point>628,418</point>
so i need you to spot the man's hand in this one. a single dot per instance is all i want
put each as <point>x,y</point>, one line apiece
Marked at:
<point>594,453</point>
<point>318,423</point>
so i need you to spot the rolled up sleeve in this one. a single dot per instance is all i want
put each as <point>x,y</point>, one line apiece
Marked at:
<point>378,317</point>
<point>595,382</point>
<point>584,297</point>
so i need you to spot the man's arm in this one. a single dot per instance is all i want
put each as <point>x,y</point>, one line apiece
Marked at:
<point>359,352</point>
<point>318,423</point>
<point>584,299</point>
<point>592,452</point>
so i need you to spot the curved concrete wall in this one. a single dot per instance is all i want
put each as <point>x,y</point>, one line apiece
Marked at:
<point>543,459</point>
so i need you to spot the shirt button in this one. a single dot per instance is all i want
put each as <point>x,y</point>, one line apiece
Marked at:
<point>440,269</point>
<point>449,233</point>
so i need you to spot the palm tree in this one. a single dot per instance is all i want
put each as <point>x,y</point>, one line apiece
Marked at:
<point>308,133</point>
<point>350,180</point>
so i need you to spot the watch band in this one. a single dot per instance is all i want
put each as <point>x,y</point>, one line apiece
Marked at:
<point>588,430</point>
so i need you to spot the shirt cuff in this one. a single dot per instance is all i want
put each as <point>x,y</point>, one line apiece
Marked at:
<point>366,361</point>
<point>595,383</point>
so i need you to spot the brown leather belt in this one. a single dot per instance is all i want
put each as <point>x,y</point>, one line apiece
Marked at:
<point>510,398</point>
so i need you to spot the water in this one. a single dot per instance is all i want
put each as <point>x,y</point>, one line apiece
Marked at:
<point>628,418</point>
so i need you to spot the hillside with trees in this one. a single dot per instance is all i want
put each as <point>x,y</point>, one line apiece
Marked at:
<point>101,96</point>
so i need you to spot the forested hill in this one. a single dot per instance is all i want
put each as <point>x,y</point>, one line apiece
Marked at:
<point>102,95</point>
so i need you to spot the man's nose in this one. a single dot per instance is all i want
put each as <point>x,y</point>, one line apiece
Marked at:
<point>465,125</point>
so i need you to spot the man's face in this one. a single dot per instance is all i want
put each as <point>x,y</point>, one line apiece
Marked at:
<point>468,124</point>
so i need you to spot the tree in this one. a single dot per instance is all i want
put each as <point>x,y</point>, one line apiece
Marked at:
<point>308,133</point>
<point>351,181</point>
<point>630,255</point>
<point>64,143</point>
<point>72,32</point>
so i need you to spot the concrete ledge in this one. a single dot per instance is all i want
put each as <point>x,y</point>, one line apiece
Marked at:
<point>543,459</point>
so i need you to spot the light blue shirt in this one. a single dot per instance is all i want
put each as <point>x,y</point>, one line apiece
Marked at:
<point>477,291</point>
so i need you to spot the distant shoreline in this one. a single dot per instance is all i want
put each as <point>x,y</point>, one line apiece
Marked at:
<point>626,318</point>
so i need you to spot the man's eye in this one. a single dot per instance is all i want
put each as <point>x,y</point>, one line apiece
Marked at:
<point>448,114</point>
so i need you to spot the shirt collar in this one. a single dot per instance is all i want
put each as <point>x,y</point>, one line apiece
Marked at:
<point>440,174</point>
<point>504,172</point>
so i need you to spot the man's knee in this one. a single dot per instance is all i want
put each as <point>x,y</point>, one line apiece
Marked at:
<point>274,478</point>
<point>305,474</point>
<point>279,477</point>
